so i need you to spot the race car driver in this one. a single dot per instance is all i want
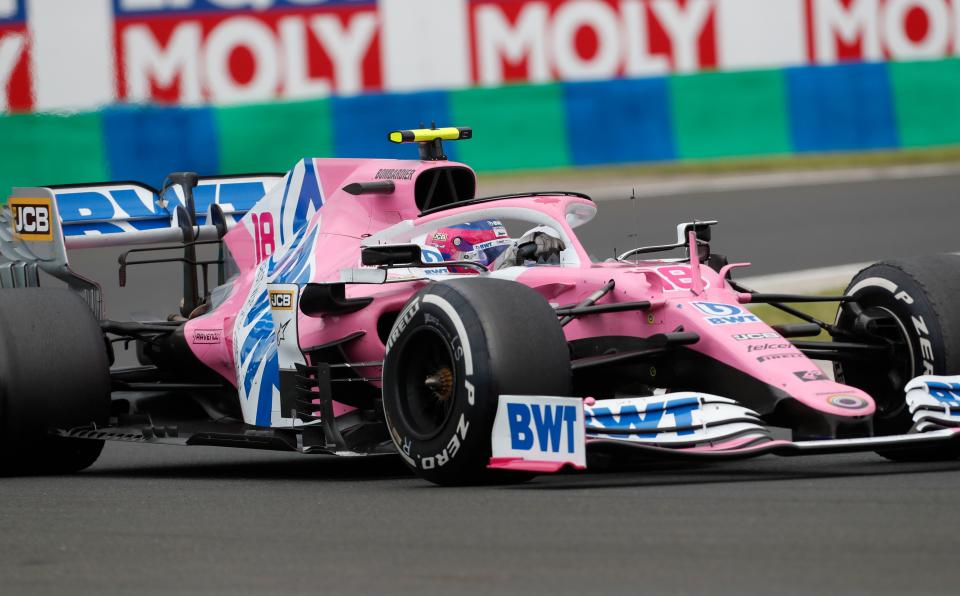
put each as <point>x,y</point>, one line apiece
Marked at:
<point>488,243</point>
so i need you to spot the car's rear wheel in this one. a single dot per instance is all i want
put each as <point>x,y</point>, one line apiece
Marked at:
<point>54,374</point>
<point>911,304</point>
<point>454,349</point>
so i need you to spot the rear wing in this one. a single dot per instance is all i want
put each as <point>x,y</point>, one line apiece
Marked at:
<point>131,213</point>
<point>38,225</point>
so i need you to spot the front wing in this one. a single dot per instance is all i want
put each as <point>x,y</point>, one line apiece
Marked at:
<point>536,434</point>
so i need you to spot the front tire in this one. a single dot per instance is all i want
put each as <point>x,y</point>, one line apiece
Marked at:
<point>454,349</point>
<point>54,374</point>
<point>914,302</point>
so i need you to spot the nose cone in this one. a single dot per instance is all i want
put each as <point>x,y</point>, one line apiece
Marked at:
<point>735,337</point>
<point>816,390</point>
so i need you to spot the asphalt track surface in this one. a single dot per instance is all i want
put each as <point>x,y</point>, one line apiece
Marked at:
<point>789,229</point>
<point>162,520</point>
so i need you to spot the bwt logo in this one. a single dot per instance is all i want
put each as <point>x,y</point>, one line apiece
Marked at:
<point>945,393</point>
<point>648,421</point>
<point>431,255</point>
<point>717,309</point>
<point>544,424</point>
<point>31,219</point>
<point>724,314</point>
<point>281,300</point>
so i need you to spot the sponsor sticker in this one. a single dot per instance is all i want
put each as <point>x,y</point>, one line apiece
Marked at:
<point>945,393</point>
<point>779,356</point>
<point>654,416</point>
<point>281,300</point>
<point>769,346</point>
<point>753,336</point>
<point>394,174</point>
<point>717,313</point>
<point>207,336</point>
<point>282,331</point>
<point>32,219</point>
<point>540,428</point>
<point>490,244</point>
<point>429,254</point>
<point>848,402</point>
<point>808,376</point>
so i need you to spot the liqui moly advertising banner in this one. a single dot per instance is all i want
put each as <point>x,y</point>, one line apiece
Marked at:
<point>232,51</point>
<point>82,54</point>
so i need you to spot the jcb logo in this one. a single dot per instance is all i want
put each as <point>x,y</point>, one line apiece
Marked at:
<point>31,219</point>
<point>281,300</point>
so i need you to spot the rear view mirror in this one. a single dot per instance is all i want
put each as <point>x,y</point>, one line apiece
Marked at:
<point>700,228</point>
<point>391,255</point>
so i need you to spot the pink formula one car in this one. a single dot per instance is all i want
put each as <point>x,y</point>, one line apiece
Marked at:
<point>370,306</point>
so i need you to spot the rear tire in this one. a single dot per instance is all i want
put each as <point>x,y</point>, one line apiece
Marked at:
<point>917,299</point>
<point>456,347</point>
<point>54,374</point>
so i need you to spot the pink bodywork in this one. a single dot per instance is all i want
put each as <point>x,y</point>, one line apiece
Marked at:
<point>673,288</point>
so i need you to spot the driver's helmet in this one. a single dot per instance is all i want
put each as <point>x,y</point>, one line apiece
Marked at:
<point>479,241</point>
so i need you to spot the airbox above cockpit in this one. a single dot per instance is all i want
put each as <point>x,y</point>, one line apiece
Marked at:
<point>444,185</point>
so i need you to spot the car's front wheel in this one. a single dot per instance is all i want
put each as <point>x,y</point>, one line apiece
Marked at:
<point>453,350</point>
<point>911,305</point>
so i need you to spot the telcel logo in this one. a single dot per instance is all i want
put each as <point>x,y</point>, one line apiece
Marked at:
<point>281,300</point>
<point>31,219</point>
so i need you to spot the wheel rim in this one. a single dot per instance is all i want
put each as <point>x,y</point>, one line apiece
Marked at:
<point>428,381</point>
<point>886,390</point>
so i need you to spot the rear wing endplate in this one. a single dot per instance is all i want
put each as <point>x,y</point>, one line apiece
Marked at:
<point>31,240</point>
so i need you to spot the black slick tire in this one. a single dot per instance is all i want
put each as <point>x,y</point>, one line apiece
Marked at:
<point>54,374</point>
<point>917,299</point>
<point>454,349</point>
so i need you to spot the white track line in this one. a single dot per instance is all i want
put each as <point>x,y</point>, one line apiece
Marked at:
<point>735,182</point>
<point>621,186</point>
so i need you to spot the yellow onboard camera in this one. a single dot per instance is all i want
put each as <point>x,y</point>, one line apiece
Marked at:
<point>431,139</point>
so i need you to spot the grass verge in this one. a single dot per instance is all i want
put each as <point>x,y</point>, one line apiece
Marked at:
<point>825,311</point>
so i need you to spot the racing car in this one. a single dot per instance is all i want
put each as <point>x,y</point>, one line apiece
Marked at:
<point>359,307</point>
